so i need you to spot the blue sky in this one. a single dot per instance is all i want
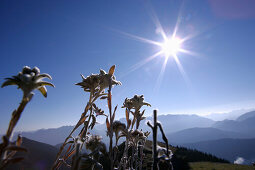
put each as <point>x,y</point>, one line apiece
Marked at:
<point>66,39</point>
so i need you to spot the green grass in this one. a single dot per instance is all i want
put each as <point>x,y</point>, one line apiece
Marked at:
<point>218,166</point>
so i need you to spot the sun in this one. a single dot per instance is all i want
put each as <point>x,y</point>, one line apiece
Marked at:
<point>171,46</point>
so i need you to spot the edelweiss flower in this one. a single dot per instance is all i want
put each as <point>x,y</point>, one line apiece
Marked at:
<point>94,142</point>
<point>138,135</point>
<point>107,78</point>
<point>135,103</point>
<point>118,127</point>
<point>90,83</point>
<point>28,80</point>
<point>96,83</point>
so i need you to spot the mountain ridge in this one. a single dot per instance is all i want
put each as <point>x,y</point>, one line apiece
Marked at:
<point>202,134</point>
<point>171,123</point>
<point>227,148</point>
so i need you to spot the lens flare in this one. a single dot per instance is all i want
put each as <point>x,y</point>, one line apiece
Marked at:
<point>171,46</point>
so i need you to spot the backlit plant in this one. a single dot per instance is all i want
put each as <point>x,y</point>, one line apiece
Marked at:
<point>27,80</point>
<point>128,155</point>
<point>95,85</point>
<point>131,156</point>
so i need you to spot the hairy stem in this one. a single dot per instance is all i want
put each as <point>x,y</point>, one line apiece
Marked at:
<point>111,122</point>
<point>85,130</point>
<point>15,116</point>
<point>13,122</point>
<point>56,163</point>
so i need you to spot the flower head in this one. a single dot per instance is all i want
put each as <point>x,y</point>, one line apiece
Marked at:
<point>28,80</point>
<point>96,83</point>
<point>135,103</point>
<point>118,127</point>
<point>90,83</point>
<point>94,142</point>
<point>138,135</point>
<point>107,78</point>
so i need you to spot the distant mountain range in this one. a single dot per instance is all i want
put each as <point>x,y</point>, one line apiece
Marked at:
<point>50,136</point>
<point>233,115</point>
<point>202,134</point>
<point>54,136</point>
<point>243,124</point>
<point>180,130</point>
<point>175,123</point>
<point>171,123</point>
<point>242,127</point>
<point>229,149</point>
<point>246,116</point>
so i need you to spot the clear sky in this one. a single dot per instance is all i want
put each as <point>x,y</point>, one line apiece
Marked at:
<point>67,38</point>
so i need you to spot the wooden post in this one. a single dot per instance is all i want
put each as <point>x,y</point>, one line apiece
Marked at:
<point>155,154</point>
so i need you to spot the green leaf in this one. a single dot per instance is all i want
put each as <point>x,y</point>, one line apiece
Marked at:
<point>43,90</point>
